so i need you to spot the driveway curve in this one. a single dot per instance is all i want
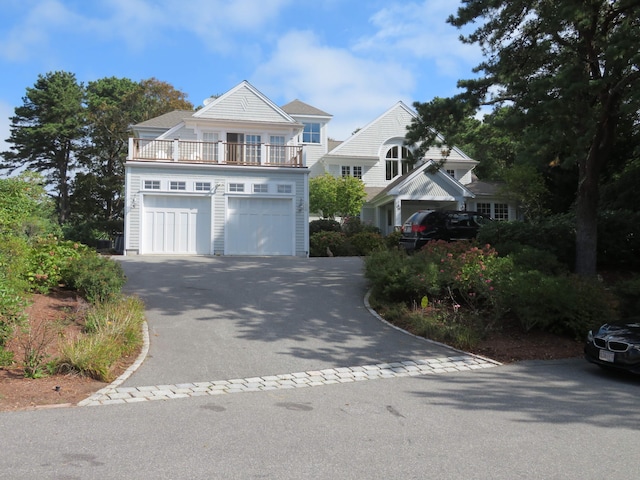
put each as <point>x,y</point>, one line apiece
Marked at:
<point>214,318</point>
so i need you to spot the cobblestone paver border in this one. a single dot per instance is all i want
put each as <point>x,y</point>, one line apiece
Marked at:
<point>429,366</point>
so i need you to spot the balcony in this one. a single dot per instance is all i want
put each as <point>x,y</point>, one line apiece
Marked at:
<point>215,153</point>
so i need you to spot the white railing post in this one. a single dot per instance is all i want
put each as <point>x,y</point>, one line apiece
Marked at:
<point>130,155</point>
<point>176,150</point>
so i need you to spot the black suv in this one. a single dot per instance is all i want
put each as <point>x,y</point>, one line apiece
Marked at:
<point>426,225</point>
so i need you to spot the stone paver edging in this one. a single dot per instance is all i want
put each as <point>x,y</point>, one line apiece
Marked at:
<point>331,376</point>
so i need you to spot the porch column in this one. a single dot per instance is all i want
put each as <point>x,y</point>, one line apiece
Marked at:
<point>397,209</point>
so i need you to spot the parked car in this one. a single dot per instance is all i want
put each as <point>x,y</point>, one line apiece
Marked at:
<point>426,225</point>
<point>616,346</point>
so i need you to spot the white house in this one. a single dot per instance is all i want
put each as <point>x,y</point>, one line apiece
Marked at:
<point>376,153</point>
<point>232,178</point>
<point>228,179</point>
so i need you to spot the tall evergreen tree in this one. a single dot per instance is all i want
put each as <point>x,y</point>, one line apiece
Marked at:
<point>571,71</point>
<point>47,132</point>
<point>113,105</point>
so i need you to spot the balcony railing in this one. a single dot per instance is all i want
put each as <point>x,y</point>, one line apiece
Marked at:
<point>215,152</point>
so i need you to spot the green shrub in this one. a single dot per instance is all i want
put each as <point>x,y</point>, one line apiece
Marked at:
<point>628,292</point>
<point>323,225</point>
<point>95,277</point>
<point>565,304</point>
<point>555,234</point>
<point>530,258</point>
<point>366,242</point>
<point>321,243</point>
<point>395,277</point>
<point>113,330</point>
<point>393,239</point>
<point>13,303</point>
<point>47,260</point>
<point>354,225</point>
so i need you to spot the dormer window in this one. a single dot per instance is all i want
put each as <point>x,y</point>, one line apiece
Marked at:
<point>397,160</point>
<point>311,133</point>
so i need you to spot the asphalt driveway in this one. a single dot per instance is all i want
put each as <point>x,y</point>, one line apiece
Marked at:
<point>215,318</point>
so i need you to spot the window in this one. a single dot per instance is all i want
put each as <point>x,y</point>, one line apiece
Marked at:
<point>202,186</point>
<point>346,171</point>
<point>152,184</point>
<point>282,188</point>
<point>277,150</point>
<point>210,147</point>
<point>174,185</point>
<point>236,187</point>
<point>357,172</point>
<point>501,211</point>
<point>253,148</point>
<point>260,188</point>
<point>397,159</point>
<point>484,208</point>
<point>311,133</point>
<point>452,173</point>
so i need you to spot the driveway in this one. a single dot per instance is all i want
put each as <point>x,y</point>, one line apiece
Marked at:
<point>215,318</point>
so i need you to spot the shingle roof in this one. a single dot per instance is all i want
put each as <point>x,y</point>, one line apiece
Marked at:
<point>479,187</point>
<point>297,107</point>
<point>167,120</point>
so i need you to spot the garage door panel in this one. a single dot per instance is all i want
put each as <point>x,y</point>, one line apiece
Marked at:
<point>177,225</point>
<point>260,226</point>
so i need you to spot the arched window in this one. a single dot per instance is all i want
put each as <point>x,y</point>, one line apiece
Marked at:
<point>397,160</point>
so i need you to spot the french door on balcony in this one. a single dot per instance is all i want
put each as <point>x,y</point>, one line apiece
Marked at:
<point>243,148</point>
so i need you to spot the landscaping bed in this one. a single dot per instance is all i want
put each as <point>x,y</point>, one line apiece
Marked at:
<point>64,309</point>
<point>57,316</point>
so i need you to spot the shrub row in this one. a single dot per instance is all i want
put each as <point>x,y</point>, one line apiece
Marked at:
<point>618,238</point>
<point>465,279</point>
<point>329,238</point>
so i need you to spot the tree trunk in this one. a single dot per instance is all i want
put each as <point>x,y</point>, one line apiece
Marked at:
<point>586,224</point>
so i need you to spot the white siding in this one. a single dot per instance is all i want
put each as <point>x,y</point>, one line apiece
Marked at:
<point>219,179</point>
<point>243,104</point>
<point>366,142</point>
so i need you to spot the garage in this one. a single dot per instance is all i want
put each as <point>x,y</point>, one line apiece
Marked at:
<point>259,226</point>
<point>176,225</point>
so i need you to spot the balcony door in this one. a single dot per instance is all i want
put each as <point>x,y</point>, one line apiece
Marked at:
<point>235,147</point>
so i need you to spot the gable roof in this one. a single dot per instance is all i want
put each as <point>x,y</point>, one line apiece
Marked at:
<point>296,107</point>
<point>244,103</point>
<point>421,180</point>
<point>167,120</point>
<point>366,141</point>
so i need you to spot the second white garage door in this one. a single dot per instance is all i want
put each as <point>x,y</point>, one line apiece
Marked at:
<point>260,226</point>
<point>177,225</point>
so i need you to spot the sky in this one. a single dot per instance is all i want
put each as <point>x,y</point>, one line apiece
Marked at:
<point>353,59</point>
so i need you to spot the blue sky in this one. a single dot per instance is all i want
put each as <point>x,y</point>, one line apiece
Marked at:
<point>351,58</point>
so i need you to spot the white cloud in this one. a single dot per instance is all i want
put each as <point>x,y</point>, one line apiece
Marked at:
<point>31,37</point>
<point>419,31</point>
<point>354,90</point>
<point>6,112</point>
<point>139,24</point>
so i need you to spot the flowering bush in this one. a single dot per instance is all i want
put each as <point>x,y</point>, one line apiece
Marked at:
<point>48,258</point>
<point>466,272</point>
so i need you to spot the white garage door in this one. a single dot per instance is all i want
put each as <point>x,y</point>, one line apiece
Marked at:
<point>260,226</point>
<point>179,225</point>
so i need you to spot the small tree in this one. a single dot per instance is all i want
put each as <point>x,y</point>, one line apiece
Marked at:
<point>330,196</point>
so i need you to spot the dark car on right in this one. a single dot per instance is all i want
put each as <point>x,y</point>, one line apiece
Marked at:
<point>449,225</point>
<point>615,345</point>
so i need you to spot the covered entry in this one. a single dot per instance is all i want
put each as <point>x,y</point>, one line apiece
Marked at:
<point>259,226</point>
<point>176,225</point>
